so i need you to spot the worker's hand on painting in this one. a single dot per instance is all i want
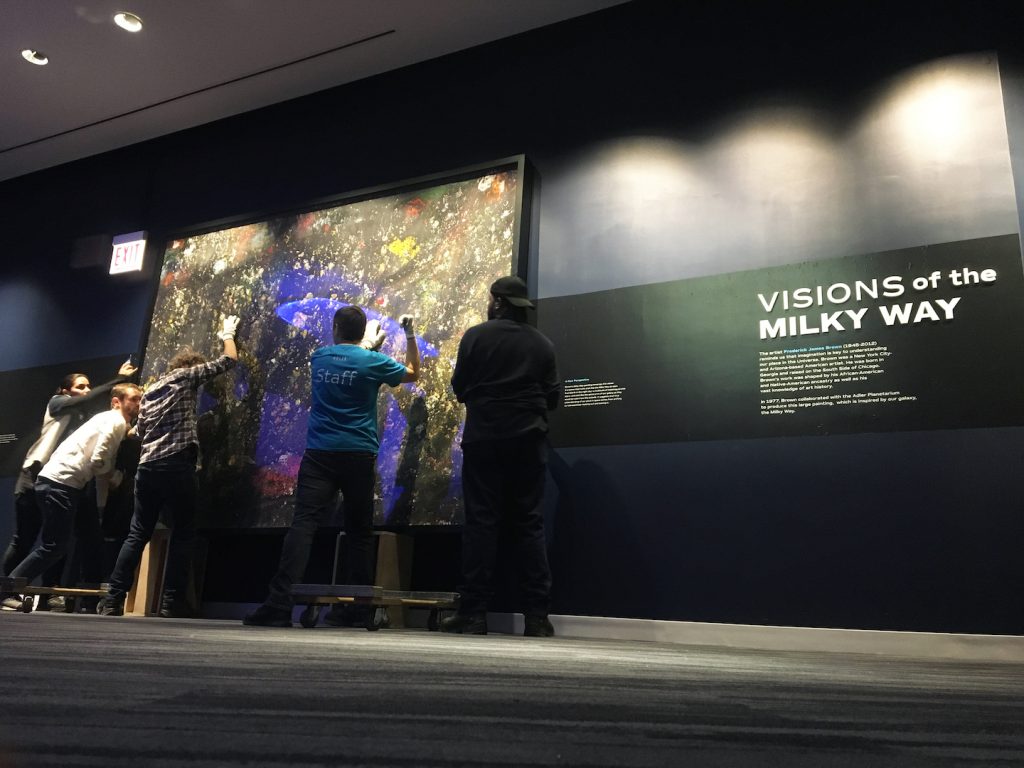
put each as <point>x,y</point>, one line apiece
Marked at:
<point>229,325</point>
<point>406,321</point>
<point>374,335</point>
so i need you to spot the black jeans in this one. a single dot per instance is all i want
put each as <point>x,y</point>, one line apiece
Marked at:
<point>57,503</point>
<point>84,561</point>
<point>28,521</point>
<point>169,487</point>
<point>502,485</point>
<point>321,475</point>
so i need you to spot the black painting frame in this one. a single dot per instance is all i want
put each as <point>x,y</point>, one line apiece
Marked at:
<point>523,242</point>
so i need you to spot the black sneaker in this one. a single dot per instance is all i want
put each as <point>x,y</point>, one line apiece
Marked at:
<point>110,606</point>
<point>538,626</point>
<point>465,624</point>
<point>268,616</point>
<point>347,616</point>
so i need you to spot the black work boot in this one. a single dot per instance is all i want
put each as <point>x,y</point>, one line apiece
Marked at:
<point>173,608</point>
<point>465,624</point>
<point>538,625</point>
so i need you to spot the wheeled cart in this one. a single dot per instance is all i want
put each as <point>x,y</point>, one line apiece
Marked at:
<point>21,587</point>
<point>378,599</point>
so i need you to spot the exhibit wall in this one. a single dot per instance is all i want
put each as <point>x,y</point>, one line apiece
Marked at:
<point>822,293</point>
<point>779,255</point>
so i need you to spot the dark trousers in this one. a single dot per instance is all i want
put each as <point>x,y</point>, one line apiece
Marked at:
<point>28,521</point>
<point>84,561</point>
<point>502,485</point>
<point>57,503</point>
<point>169,487</point>
<point>115,522</point>
<point>321,475</point>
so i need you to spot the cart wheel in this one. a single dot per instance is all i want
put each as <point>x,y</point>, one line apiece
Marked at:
<point>28,603</point>
<point>433,620</point>
<point>310,616</point>
<point>377,619</point>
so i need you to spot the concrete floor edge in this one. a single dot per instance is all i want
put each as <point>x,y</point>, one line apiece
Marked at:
<point>925,645</point>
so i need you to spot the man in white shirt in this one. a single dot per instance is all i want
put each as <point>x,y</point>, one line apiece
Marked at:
<point>89,452</point>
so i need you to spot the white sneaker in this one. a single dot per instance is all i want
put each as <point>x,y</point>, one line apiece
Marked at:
<point>11,603</point>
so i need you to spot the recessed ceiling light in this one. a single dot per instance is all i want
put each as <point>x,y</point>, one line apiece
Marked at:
<point>128,21</point>
<point>35,57</point>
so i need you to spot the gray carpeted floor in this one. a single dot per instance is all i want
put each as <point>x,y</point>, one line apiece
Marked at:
<point>93,691</point>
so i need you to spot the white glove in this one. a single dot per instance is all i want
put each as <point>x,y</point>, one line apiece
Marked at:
<point>374,335</point>
<point>228,328</point>
<point>406,322</point>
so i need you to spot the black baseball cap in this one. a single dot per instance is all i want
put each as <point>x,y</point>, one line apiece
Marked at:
<point>513,290</point>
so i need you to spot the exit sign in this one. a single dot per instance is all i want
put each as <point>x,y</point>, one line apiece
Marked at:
<point>128,251</point>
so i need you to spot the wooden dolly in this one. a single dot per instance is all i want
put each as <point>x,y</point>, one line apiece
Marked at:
<point>316,596</point>
<point>21,587</point>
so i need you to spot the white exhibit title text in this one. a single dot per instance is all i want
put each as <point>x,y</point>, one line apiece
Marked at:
<point>860,291</point>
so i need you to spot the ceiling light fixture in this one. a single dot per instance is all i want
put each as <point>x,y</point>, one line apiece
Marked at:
<point>128,21</point>
<point>35,57</point>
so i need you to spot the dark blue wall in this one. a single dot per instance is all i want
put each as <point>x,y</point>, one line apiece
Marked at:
<point>913,531</point>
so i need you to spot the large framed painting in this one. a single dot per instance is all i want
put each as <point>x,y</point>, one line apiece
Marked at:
<point>429,248</point>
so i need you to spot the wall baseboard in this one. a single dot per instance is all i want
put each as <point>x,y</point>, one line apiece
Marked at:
<point>923,645</point>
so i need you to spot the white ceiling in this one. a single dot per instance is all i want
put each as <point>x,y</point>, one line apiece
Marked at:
<point>200,60</point>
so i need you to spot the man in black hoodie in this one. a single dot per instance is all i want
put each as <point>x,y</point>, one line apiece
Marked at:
<point>506,375</point>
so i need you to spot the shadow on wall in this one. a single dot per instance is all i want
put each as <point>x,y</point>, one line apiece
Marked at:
<point>591,545</point>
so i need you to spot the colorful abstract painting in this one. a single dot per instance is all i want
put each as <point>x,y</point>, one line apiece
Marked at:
<point>431,253</point>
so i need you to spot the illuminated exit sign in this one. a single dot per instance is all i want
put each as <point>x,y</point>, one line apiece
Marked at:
<point>127,255</point>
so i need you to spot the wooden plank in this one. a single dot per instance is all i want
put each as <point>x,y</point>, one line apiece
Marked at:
<point>99,591</point>
<point>394,568</point>
<point>144,597</point>
<point>336,590</point>
<point>358,594</point>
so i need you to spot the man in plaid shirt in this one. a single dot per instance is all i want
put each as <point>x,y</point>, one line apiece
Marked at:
<point>167,473</point>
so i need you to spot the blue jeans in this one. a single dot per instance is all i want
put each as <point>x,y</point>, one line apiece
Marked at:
<point>57,503</point>
<point>321,475</point>
<point>502,485</point>
<point>169,487</point>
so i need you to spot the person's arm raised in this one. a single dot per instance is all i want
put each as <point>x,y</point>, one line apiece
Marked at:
<point>412,350</point>
<point>229,326</point>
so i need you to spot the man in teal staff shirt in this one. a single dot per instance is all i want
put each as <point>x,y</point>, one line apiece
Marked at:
<point>341,455</point>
